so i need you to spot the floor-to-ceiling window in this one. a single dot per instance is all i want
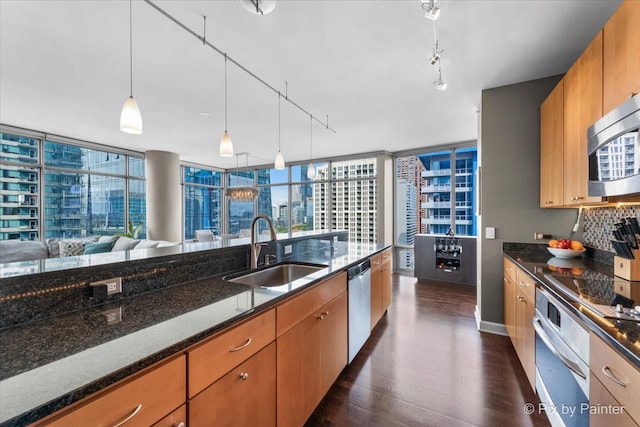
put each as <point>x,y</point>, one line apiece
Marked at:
<point>435,194</point>
<point>64,188</point>
<point>202,195</point>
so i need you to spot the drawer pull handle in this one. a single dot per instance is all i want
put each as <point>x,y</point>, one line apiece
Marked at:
<point>323,315</point>
<point>521,299</point>
<point>244,376</point>
<point>607,371</point>
<point>525,284</point>
<point>231,350</point>
<point>133,414</point>
<point>180,424</point>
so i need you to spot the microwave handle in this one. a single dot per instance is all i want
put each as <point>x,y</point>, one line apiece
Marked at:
<point>537,325</point>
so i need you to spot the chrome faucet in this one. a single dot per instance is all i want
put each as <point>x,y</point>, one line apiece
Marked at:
<point>257,247</point>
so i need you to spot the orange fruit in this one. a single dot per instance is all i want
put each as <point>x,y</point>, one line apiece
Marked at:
<point>553,243</point>
<point>576,246</point>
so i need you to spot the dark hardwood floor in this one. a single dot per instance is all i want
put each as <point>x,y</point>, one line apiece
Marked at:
<point>426,364</point>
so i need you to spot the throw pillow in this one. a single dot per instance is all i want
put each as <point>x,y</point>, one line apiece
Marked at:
<point>110,239</point>
<point>124,244</point>
<point>97,247</point>
<point>147,244</point>
<point>71,248</point>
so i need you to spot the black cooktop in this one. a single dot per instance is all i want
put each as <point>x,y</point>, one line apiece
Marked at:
<point>607,296</point>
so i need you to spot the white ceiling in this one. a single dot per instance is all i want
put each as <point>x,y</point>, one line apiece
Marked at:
<point>64,69</point>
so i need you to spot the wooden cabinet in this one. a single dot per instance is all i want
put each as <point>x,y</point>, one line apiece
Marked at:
<point>582,107</point>
<point>619,377</point>
<point>613,415</point>
<point>245,396</point>
<point>621,64</point>
<point>177,418</point>
<point>519,309</point>
<point>510,299</point>
<point>312,349</point>
<point>552,149</point>
<point>212,359</point>
<point>131,399</point>
<point>380,285</point>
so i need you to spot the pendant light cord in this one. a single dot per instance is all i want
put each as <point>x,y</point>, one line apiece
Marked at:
<point>278,122</point>
<point>225,92</point>
<point>310,137</point>
<point>130,48</point>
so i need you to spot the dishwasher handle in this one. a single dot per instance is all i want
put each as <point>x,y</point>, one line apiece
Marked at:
<point>358,270</point>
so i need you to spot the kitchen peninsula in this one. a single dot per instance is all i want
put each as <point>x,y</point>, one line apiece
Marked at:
<point>90,351</point>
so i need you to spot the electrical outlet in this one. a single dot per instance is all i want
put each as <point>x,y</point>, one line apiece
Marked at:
<point>114,286</point>
<point>288,249</point>
<point>113,316</point>
<point>490,232</point>
<point>540,236</point>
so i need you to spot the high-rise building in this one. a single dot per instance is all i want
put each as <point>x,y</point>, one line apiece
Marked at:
<point>406,221</point>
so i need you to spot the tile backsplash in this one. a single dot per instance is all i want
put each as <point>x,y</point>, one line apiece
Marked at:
<point>599,222</point>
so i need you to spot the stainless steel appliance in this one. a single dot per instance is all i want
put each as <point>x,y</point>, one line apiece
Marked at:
<point>562,362</point>
<point>359,291</point>
<point>613,151</point>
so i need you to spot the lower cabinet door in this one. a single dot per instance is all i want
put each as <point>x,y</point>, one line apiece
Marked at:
<point>607,411</point>
<point>246,396</point>
<point>334,341</point>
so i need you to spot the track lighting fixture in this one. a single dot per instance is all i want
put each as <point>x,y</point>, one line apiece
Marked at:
<point>431,11</point>
<point>440,84</point>
<point>259,7</point>
<point>226,146</point>
<point>437,52</point>
<point>130,117</point>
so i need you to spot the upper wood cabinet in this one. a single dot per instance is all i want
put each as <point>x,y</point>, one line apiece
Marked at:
<point>621,55</point>
<point>552,149</point>
<point>582,107</point>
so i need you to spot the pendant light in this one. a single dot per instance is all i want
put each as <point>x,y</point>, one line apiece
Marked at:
<point>130,117</point>
<point>241,193</point>
<point>311,170</point>
<point>226,146</point>
<point>279,163</point>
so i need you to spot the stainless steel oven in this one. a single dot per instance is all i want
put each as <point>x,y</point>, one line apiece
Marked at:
<point>562,362</point>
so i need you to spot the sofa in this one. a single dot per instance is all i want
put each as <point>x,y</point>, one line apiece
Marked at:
<point>27,250</point>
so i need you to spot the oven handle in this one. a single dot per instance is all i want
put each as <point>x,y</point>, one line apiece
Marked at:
<point>537,325</point>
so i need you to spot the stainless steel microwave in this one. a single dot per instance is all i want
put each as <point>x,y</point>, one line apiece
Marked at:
<point>614,151</point>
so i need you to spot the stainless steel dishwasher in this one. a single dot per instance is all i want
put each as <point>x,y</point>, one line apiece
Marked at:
<point>359,289</point>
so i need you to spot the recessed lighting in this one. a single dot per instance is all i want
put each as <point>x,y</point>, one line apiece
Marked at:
<point>205,114</point>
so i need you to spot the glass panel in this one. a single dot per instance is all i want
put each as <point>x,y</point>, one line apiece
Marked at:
<point>302,207</point>
<point>321,204</point>
<point>202,210</point>
<point>299,172</point>
<point>138,205</point>
<point>240,178</point>
<point>240,217</point>
<point>202,176</point>
<point>619,157</point>
<point>78,205</point>
<point>358,168</point>
<point>435,192</point>
<point>273,176</point>
<point>353,207</point>
<point>466,167</point>
<point>19,207</point>
<point>136,167</point>
<point>15,148</point>
<point>273,201</point>
<point>74,157</point>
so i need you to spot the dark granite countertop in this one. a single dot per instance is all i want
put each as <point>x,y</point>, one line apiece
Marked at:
<point>48,364</point>
<point>623,335</point>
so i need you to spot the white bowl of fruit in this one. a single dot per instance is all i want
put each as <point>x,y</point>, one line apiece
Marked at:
<point>565,248</point>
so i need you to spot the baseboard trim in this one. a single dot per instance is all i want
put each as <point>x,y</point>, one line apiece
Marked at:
<point>489,327</point>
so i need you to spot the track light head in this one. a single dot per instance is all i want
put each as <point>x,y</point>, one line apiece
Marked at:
<point>434,58</point>
<point>440,84</point>
<point>431,11</point>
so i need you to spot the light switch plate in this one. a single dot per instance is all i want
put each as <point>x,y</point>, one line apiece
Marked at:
<point>490,232</point>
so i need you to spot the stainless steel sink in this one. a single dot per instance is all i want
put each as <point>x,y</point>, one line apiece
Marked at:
<point>277,275</point>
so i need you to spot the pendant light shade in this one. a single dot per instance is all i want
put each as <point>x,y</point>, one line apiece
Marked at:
<point>130,117</point>
<point>226,146</point>
<point>279,163</point>
<point>311,171</point>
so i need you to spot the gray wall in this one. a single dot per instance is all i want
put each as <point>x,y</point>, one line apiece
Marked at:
<point>509,151</point>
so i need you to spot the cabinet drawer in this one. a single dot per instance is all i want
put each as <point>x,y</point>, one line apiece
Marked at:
<point>246,396</point>
<point>510,269</point>
<point>618,376</point>
<point>177,418</point>
<point>292,312</point>
<point>526,285</point>
<point>145,399</point>
<point>599,396</point>
<point>214,358</point>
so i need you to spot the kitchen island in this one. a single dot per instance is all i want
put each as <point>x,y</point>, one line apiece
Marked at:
<point>52,362</point>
